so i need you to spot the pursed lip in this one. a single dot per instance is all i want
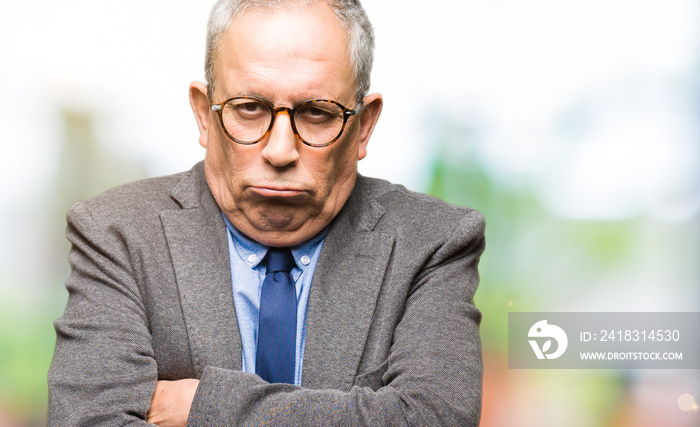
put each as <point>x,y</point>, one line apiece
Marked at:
<point>276,191</point>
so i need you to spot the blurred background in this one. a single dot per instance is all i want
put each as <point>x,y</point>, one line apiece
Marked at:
<point>573,125</point>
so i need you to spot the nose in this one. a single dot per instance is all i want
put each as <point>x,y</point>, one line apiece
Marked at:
<point>281,146</point>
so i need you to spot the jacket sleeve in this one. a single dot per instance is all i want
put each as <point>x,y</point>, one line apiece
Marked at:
<point>432,375</point>
<point>103,370</point>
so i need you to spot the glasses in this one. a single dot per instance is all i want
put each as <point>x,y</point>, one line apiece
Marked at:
<point>316,123</point>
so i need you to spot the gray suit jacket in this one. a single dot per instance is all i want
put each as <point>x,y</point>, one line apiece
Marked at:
<point>392,332</point>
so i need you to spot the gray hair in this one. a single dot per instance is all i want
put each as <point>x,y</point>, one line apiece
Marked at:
<point>350,13</point>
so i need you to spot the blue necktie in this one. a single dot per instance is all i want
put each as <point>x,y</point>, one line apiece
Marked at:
<point>275,357</point>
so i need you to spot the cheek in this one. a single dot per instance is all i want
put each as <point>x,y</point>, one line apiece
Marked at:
<point>228,162</point>
<point>340,165</point>
<point>346,158</point>
<point>227,155</point>
<point>217,148</point>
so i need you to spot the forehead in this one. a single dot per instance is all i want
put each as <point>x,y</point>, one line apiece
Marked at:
<point>302,47</point>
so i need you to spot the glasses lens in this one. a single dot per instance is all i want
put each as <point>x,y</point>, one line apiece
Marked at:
<point>318,122</point>
<point>245,119</point>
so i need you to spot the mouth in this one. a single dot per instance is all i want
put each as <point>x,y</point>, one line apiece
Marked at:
<point>277,192</point>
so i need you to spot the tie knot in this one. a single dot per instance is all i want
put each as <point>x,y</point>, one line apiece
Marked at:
<point>280,259</point>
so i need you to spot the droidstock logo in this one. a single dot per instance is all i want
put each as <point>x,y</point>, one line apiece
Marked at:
<point>542,330</point>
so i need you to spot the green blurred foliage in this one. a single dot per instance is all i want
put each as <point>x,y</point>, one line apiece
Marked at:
<point>32,295</point>
<point>27,338</point>
<point>534,261</point>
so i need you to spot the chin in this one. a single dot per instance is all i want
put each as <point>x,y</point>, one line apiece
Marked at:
<point>280,218</point>
<point>279,223</point>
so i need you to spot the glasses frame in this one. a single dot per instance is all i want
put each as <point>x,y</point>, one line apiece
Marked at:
<point>347,113</point>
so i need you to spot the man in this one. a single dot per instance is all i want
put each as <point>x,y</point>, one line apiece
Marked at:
<point>171,315</point>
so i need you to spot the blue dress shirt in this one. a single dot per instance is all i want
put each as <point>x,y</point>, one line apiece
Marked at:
<point>248,273</point>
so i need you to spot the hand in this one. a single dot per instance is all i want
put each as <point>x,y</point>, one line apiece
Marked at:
<point>171,402</point>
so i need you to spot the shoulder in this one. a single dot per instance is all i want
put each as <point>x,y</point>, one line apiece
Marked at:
<point>142,196</point>
<point>406,209</point>
<point>139,201</point>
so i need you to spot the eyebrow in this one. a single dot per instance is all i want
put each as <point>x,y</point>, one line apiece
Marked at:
<point>267,100</point>
<point>293,101</point>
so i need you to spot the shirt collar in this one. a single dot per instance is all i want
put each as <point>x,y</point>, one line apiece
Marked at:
<point>252,253</point>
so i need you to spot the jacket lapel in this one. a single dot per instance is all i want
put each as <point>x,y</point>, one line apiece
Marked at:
<point>344,293</point>
<point>344,290</point>
<point>196,236</point>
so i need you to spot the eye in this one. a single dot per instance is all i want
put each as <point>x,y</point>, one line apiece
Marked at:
<point>317,113</point>
<point>248,109</point>
<point>250,106</point>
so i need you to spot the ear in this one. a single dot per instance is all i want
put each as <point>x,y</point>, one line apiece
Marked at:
<point>368,119</point>
<point>201,109</point>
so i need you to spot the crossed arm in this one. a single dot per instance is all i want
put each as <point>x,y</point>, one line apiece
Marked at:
<point>431,377</point>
